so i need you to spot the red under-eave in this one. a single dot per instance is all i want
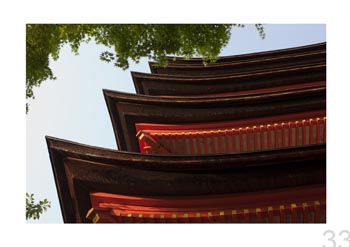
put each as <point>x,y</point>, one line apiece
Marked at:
<point>305,204</point>
<point>221,137</point>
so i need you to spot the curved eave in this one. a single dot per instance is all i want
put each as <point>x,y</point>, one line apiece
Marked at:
<point>117,96</point>
<point>81,169</point>
<point>256,55</point>
<point>255,64</point>
<point>128,109</point>
<point>241,66</point>
<point>157,84</point>
<point>61,149</point>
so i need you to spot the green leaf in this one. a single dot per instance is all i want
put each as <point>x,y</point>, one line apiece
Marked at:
<point>128,42</point>
<point>33,211</point>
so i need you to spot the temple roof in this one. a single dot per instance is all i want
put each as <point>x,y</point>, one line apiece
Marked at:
<point>179,85</point>
<point>233,136</point>
<point>127,110</point>
<point>251,63</point>
<point>80,170</point>
<point>252,56</point>
<point>303,204</point>
<point>243,138</point>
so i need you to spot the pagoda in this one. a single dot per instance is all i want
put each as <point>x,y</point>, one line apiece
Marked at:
<point>242,140</point>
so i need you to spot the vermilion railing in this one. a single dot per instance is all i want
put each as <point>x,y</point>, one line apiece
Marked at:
<point>234,140</point>
<point>293,205</point>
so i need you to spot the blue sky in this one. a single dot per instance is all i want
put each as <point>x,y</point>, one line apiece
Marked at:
<point>73,108</point>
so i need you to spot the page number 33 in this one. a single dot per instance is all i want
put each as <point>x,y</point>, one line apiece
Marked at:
<point>332,239</point>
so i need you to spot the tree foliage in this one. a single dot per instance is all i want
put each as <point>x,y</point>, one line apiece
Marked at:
<point>34,210</point>
<point>131,41</point>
